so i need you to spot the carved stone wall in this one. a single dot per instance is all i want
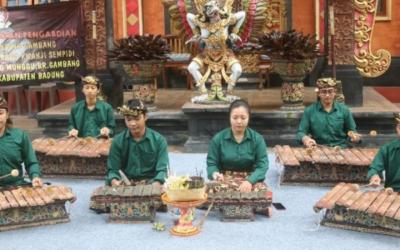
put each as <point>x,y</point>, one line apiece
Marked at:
<point>101,48</point>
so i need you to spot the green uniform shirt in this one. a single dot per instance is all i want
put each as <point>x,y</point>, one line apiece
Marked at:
<point>90,122</point>
<point>250,155</point>
<point>15,149</point>
<point>146,159</point>
<point>388,160</point>
<point>325,128</point>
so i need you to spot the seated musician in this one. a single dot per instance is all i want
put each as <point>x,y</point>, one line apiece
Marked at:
<point>15,149</point>
<point>91,117</point>
<point>139,152</point>
<point>327,121</point>
<point>388,160</point>
<point>238,149</point>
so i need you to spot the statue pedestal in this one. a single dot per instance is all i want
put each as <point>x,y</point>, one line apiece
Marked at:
<point>204,121</point>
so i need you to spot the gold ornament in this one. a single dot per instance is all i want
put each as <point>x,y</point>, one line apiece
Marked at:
<point>128,111</point>
<point>91,80</point>
<point>397,117</point>
<point>195,31</point>
<point>235,30</point>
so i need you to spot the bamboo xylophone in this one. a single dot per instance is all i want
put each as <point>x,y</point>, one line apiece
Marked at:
<point>323,166</point>
<point>30,207</point>
<point>347,207</point>
<point>128,204</point>
<point>73,157</point>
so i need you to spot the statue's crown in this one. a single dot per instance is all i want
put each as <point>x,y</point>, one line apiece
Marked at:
<point>200,4</point>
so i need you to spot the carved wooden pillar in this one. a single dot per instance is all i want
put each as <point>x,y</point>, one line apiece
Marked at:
<point>111,88</point>
<point>343,41</point>
<point>101,47</point>
<point>344,32</point>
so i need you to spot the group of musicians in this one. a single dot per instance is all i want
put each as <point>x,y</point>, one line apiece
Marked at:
<point>142,154</point>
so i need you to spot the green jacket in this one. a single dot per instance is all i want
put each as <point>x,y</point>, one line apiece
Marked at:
<point>325,128</point>
<point>250,155</point>
<point>90,122</point>
<point>15,149</point>
<point>146,159</point>
<point>388,160</point>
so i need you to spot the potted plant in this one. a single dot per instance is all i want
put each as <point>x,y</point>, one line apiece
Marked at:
<point>293,56</point>
<point>142,58</point>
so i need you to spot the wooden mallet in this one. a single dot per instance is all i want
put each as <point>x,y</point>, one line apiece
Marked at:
<point>356,187</point>
<point>13,173</point>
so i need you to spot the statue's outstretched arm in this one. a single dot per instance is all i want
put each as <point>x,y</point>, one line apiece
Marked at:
<point>240,17</point>
<point>192,23</point>
<point>191,20</point>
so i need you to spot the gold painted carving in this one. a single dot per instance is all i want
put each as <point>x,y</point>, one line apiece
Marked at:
<point>368,64</point>
<point>276,16</point>
<point>101,48</point>
<point>344,33</point>
<point>250,63</point>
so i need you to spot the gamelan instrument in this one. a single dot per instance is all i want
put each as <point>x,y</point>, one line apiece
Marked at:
<point>72,157</point>
<point>127,204</point>
<point>30,207</point>
<point>323,166</point>
<point>348,207</point>
<point>236,205</point>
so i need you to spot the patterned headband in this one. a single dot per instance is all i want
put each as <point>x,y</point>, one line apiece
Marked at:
<point>323,83</point>
<point>91,80</point>
<point>397,117</point>
<point>3,103</point>
<point>132,111</point>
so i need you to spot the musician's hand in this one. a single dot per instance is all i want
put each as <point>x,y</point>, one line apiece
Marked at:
<point>73,133</point>
<point>308,142</point>
<point>217,176</point>
<point>245,187</point>
<point>105,131</point>
<point>37,182</point>
<point>375,181</point>
<point>355,138</point>
<point>116,183</point>
<point>156,183</point>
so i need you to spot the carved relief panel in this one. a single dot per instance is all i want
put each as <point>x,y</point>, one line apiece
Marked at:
<point>344,32</point>
<point>276,16</point>
<point>354,24</point>
<point>101,48</point>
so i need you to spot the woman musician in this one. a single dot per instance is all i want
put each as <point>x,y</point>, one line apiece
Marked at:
<point>238,153</point>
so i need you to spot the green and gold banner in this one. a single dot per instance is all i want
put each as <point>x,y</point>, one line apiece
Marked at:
<point>41,43</point>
